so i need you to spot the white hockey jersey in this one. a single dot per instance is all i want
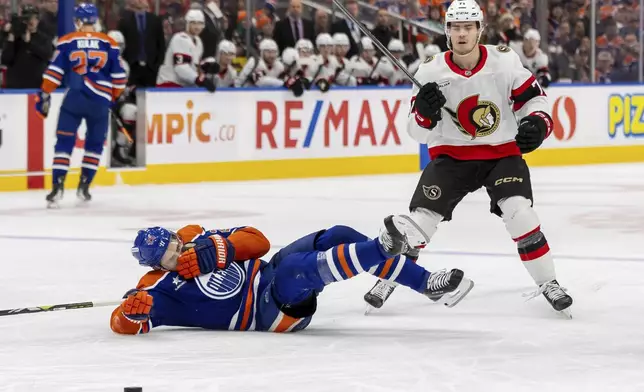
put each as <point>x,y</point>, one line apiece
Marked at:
<point>537,64</point>
<point>344,74</point>
<point>181,64</point>
<point>261,75</point>
<point>327,67</point>
<point>226,77</point>
<point>484,105</point>
<point>362,70</point>
<point>390,74</point>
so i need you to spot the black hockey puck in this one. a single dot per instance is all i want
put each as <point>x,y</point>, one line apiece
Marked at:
<point>133,389</point>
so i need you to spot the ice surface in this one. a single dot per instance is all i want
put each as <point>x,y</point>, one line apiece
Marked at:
<point>492,341</point>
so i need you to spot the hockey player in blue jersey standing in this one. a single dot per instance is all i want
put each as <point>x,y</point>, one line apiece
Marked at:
<point>88,62</point>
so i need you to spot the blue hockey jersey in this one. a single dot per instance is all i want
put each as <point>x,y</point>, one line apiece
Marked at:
<point>87,63</point>
<point>236,298</point>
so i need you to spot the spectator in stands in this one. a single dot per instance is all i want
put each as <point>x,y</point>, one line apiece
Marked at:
<point>347,27</point>
<point>49,18</point>
<point>144,43</point>
<point>212,32</point>
<point>507,31</point>
<point>604,67</point>
<point>292,28</point>
<point>266,29</point>
<point>382,30</point>
<point>26,51</point>
<point>321,23</point>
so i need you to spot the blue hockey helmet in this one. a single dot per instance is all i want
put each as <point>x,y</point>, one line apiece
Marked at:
<point>150,245</point>
<point>87,13</point>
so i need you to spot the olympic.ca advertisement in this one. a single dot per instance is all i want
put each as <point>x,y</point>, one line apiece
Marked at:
<point>259,125</point>
<point>594,116</point>
<point>13,133</point>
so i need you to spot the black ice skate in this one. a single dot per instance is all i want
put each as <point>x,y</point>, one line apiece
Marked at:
<point>556,296</point>
<point>448,287</point>
<point>56,194</point>
<point>377,296</point>
<point>401,234</point>
<point>381,291</point>
<point>83,190</point>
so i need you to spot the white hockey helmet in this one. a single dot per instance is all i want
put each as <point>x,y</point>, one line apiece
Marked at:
<point>195,16</point>
<point>227,47</point>
<point>367,43</point>
<point>463,11</point>
<point>304,44</point>
<point>532,34</point>
<point>267,44</point>
<point>341,39</point>
<point>289,56</point>
<point>323,39</point>
<point>396,45</point>
<point>431,50</point>
<point>118,37</point>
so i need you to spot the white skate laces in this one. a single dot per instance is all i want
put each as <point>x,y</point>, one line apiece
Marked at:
<point>551,289</point>
<point>438,280</point>
<point>383,289</point>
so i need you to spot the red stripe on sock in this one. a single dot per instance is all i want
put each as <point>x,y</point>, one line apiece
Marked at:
<point>536,253</point>
<point>528,234</point>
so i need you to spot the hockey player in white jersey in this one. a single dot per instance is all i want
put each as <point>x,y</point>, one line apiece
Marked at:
<point>428,52</point>
<point>265,71</point>
<point>532,57</point>
<point>476,137</point>
<point>226,51</point>
<point>390,74</point>
<point>181,66</point>
<point>307,63</point>
<point>327,63</point>
<point>364,66</point>
<point>341,46</point>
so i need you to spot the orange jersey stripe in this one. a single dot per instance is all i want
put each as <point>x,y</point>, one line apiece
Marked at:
<point>150,279</point>
<point>99,87</point>
<point>249,243</point>
<point>48,86</point>
<point>343,261</point>
<point>65,133</point>
<point>286,323</point>
<point>249,297</point>
<point>189,232</point>
<point>386,268</point>
<point>53,74</point>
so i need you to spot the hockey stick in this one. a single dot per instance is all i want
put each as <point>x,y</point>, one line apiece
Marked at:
<point>51,308</point>
<point>379,45</point>
<point>122,129</point>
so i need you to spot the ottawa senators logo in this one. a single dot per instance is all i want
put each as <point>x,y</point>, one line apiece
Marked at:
<point>476,118</point>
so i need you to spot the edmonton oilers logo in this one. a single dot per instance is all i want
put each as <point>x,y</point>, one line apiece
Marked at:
<point>222,284</point>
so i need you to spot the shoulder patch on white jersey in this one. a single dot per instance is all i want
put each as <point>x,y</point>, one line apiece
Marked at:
<point>503,48</point>
<point>430,58</point>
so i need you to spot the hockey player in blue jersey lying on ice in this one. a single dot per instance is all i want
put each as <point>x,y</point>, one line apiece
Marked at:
<point>215,279</point>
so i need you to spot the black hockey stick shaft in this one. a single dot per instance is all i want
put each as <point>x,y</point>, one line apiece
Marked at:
<point>378,44</point>
<point>51,308</point>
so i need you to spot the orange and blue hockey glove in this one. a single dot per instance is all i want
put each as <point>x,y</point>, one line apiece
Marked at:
<point>214,252</point>
<point>43,102</point>
<point>137,306</point>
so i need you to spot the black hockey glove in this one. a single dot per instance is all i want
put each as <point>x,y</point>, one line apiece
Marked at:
<point>533,129</point>
<point>428,104</point>
<point>323,85</point>
<point>210,67</point>
<point>544,80</point>
<point>204,81</point>
<point>295,85</point>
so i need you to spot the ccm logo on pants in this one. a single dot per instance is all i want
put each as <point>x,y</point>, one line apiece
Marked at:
<point>507,179</point>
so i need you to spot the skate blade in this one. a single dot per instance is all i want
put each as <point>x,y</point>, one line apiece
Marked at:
<point>566,313</point>
<point>368,310</point>
<point>53,205</point>
<point>452,299</point>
